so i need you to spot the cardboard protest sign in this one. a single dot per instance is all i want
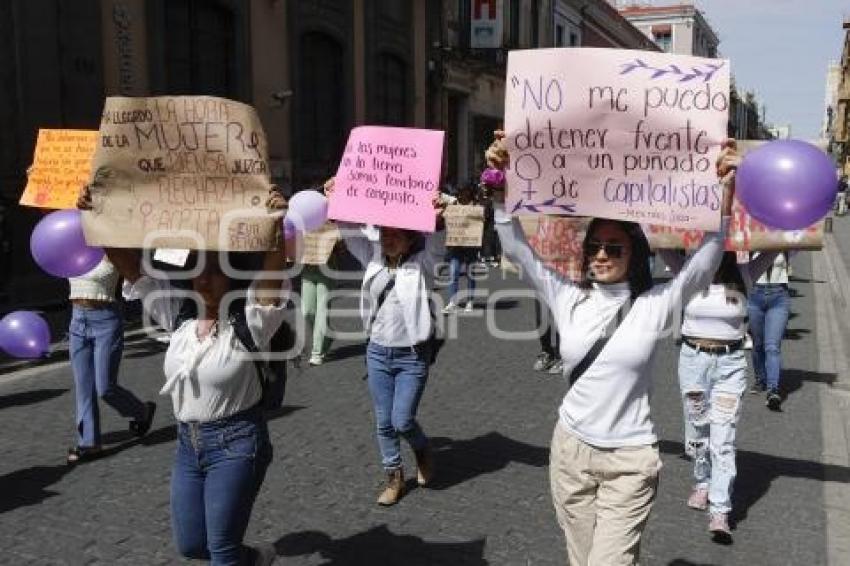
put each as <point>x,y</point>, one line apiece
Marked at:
<point>622,134</point>
<point>745,232</point>
<point>557,240</point>
<point>464,225</point>
<point>319,244</point>
<point>60,167</point>
<point>389,177</point>
<point>180,172</point>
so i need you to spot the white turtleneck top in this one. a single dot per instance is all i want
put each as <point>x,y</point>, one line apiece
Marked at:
<point>608,406</point>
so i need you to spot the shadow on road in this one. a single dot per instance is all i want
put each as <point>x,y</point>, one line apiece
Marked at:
<point>29,486</point>
<point>756,471</point>
<point>792,379</point>
<point>379,545</point>
<point>29,397</point>
<point>462,460</point>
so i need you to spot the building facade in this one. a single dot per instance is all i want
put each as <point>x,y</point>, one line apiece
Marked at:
<point>313,69</point>
<point>840,127</point>
<point>678,28</point>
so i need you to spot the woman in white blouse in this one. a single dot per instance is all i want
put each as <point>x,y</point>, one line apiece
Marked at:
<point>223,447</point>
<point>713,378</point>
<point>604,459</point>
<point>398,316</point>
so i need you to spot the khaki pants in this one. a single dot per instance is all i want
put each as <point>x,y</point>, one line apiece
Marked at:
<point>602,498</point>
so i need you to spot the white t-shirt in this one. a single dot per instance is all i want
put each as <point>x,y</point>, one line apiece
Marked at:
<point>213,378</point>
<point>608,406</point>
<point>717,313</point>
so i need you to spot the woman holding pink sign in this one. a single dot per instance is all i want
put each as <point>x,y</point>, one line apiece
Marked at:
<point>604,459</point>
<point>399,319</point>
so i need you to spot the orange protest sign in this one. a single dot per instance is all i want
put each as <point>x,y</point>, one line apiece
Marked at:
<point>61,165</point>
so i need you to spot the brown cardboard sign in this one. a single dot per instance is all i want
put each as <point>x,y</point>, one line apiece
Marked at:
<point>181,172</point>
<point>319,244</point>
<point>464,225</point>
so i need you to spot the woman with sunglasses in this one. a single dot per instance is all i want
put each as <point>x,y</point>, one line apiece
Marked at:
<point>604,459</point>
<point>713,378</point>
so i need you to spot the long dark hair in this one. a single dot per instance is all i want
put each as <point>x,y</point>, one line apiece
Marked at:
<point>729,275</point>
<point>639,275</point>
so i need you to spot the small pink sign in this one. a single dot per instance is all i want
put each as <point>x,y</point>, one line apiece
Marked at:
<point>389,177</point>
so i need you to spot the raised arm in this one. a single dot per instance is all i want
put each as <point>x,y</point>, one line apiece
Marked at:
<point>697,273</point>
<point>512,238</point>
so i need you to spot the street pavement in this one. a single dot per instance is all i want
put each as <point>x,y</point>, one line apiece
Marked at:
<point>490,418</point>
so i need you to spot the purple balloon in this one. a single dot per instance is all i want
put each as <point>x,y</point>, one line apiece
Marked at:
<point>493,177</point>
<point>59,246</point>
<point>787,184</point>
<point>308,211</point>
<point>24,334</point>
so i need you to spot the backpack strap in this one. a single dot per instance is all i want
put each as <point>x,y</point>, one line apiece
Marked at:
<point>600,343</point>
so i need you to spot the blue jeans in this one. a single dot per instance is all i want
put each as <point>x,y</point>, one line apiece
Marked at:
<point>712,386</point>
<point>96,345</point>
<point>768,311</point>
<point>397,378</point>
<point>460,264</point>
<point>219,467</point>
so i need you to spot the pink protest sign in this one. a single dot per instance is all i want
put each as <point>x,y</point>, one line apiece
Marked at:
<point>615,133</point>
<point>389,177</point>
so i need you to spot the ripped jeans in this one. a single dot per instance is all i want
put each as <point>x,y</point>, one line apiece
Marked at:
<point>712,386</point>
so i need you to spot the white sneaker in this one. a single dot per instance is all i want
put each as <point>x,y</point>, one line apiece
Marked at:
<point>450,308</point>
<point>469,307</point>
<point>316,360</point>
<point>748,342</point>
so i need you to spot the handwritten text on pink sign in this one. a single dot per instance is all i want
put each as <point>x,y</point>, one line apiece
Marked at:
<point>389,177</point>
<point>622,134</point>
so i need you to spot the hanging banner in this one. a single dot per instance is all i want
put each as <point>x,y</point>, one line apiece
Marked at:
<point>180,172</point>
<point>745,232</point>
<point>60,167</point>
<point>557,240</point>
<point>615,133</point>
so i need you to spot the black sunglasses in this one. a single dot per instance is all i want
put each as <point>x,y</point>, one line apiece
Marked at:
<point>591,249</point>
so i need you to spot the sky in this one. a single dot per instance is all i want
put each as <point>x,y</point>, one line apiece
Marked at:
<point>781,49</point>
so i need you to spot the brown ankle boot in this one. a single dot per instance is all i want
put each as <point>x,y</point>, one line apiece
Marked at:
<point>394,489</point>
<point>424,465</point>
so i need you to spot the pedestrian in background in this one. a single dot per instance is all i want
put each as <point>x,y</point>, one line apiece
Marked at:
<point>223,446</point>
<point>712,380</point>
<point>316,288</point>
<point>604,459</point>
<point>398,317</point>
<point>461,259</point>
<point>96,343</point>
<point>769,308</point>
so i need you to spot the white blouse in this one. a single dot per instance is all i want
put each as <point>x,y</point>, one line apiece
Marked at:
<point>213,378</point>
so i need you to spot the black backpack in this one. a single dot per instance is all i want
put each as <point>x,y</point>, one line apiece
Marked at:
<point>270,372</point>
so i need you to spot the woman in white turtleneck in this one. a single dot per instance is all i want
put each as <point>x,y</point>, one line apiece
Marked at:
<point>604,459</point>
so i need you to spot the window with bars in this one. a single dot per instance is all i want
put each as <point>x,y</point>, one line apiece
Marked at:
<point>200,48</point>
<point>320,117</point>
<point>391,90</point>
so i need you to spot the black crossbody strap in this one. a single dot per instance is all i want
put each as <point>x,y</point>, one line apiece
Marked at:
<point>381,298</point>
<point>597,347</point>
